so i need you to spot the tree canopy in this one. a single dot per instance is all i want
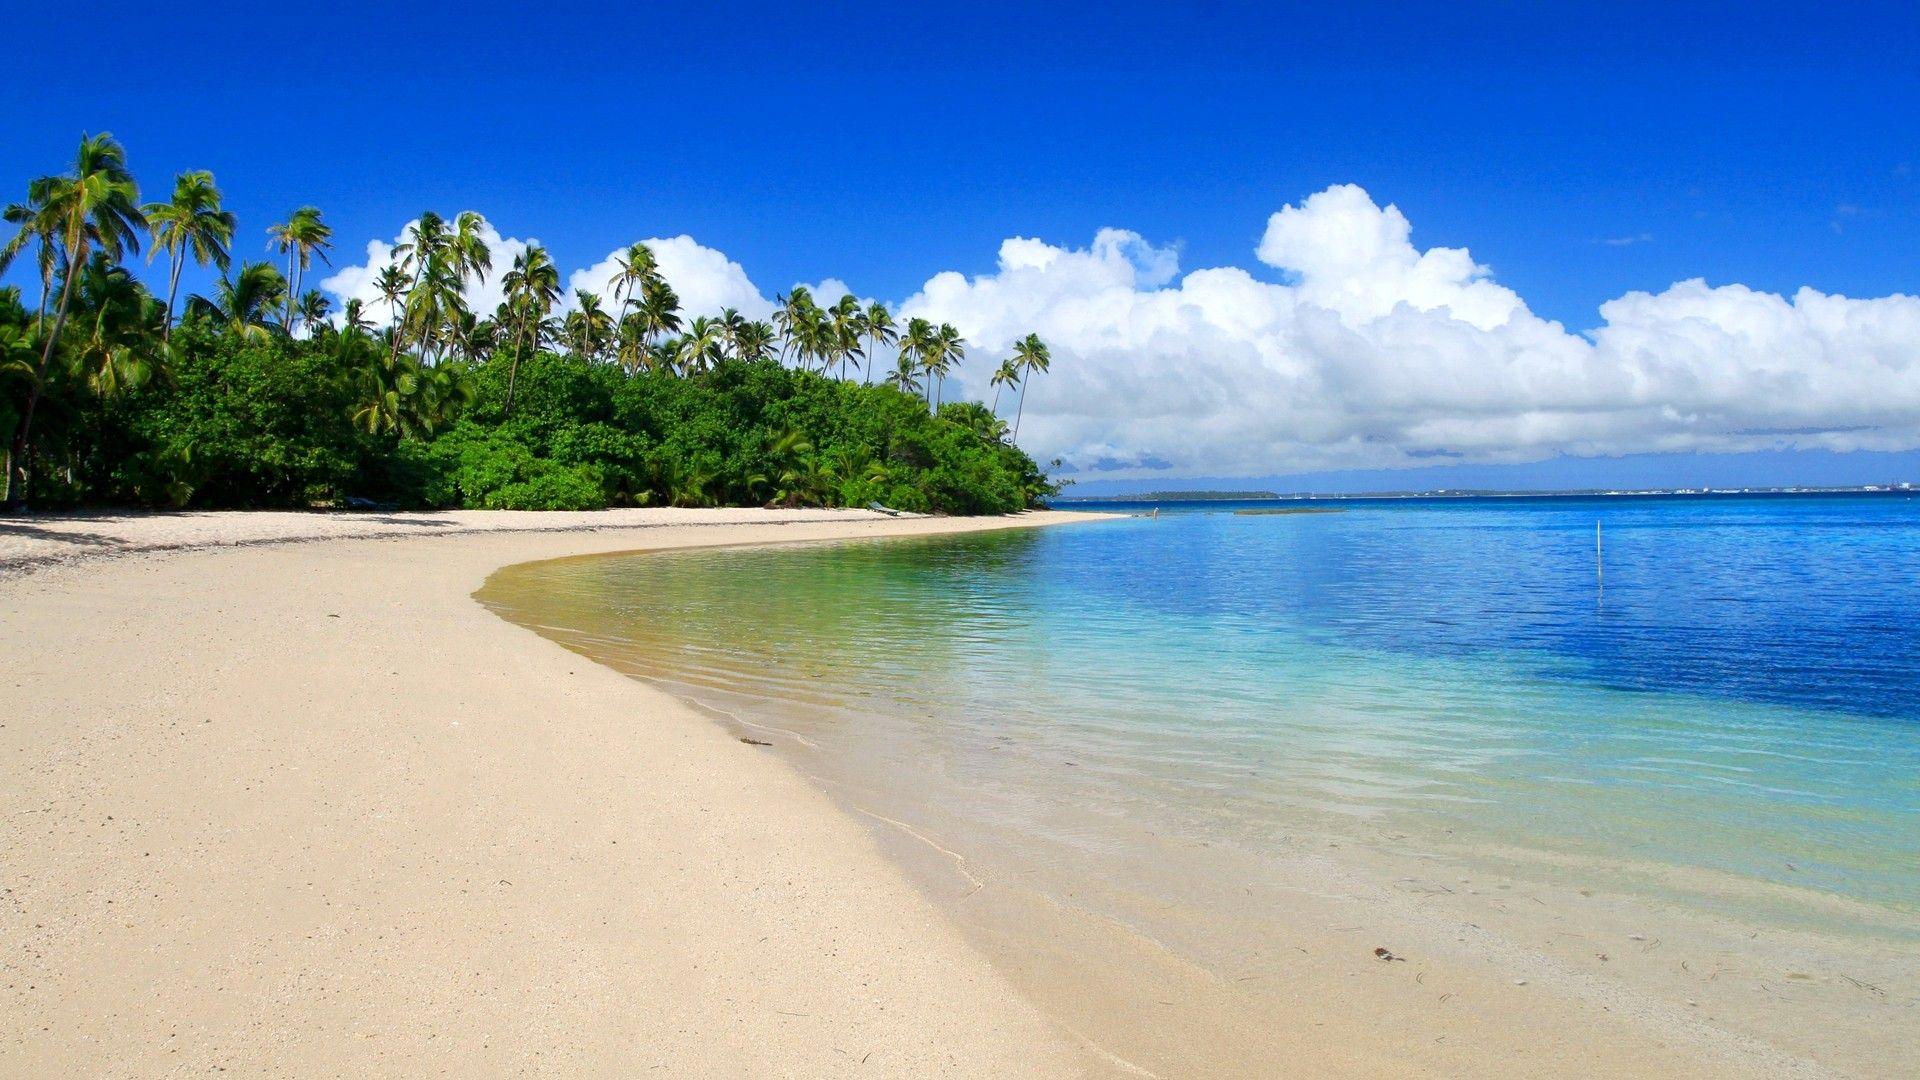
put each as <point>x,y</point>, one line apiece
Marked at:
<point>257,394</point>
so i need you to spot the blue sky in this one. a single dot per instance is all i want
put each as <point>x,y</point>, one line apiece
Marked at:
<point>1579,153</point>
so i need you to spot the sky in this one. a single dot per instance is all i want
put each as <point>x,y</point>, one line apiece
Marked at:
<point>1550,245</point>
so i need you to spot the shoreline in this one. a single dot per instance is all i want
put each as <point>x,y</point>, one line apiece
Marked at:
<point>340,909</point>
<point>305,808</point>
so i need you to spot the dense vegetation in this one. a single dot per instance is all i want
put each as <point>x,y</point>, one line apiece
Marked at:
<point>260,395</point>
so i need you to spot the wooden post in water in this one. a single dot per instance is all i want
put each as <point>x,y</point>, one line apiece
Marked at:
<point>1599,564</point>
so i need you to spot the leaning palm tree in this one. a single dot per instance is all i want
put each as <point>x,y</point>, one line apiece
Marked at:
<point>1008,374</point>
<point>96,206</point>
<point>533,287</point>
<point>244,303</point>
<point>302,236</point>
<point>1031,355</point>
<point>879,327</point>
<point>190,223</point>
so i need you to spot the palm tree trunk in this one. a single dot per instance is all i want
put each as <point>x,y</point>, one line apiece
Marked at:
<point>173,290</point>
<point>513,373</point>
<point>1019,412</point>
<point>291,290</point>
<point>24,431</point>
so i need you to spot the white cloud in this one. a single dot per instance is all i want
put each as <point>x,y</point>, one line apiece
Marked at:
<point>1369,353</point>
<point>1374,353</point>
<point>706,280</point>
<point>483,294</point>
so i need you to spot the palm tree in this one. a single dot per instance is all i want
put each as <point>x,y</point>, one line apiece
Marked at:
<point>302,236</point>
<point>120,322</point>
<point>588,327</point>
<point>845,328</point>
<point>38,224</point>
<point>1030,355</point>
<point>947,349</point>
<point>878,323</point>
<point>434,307</point>
<point>810,334</point>
<point>95,206</point>
<point>756,340</point>
<point>393,284</point>
<point>533,287</point>
<point>192,222</point>
<point>1007,374</point>
<point>792,313</point>
<point>472,260</point>
<point>429,237</point>
<point>732,324</point>
<point>243,303</point>
<point>906,373</point>
<point>915,345</point>
<point>313,308</point>
<point>634,269</point>
<point>471,256</point>
<point>703,347</point>
<point>658,313</point>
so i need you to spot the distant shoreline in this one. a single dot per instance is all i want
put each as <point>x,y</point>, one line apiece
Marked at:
<point>1451,494</point>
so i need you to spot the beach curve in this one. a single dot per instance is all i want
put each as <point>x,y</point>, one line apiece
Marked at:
<point>307,808</point>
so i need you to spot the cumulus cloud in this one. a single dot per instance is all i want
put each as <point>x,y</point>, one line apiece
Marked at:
<point>1367,352</point>
<point>706,280</point>
<point>483,294</point>
<point>1374,353</point>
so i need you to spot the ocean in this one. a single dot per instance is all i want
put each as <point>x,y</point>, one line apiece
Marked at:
<point>1704,711</point>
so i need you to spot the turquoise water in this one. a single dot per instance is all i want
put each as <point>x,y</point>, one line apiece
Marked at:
<point>1732,721</point>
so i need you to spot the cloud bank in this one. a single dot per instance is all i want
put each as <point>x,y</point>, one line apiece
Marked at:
<point>1372,353</point>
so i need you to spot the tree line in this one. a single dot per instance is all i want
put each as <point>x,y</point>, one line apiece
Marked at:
<point>118,369</point>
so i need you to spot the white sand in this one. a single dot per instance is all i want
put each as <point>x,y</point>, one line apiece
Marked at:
<point>308,809</point>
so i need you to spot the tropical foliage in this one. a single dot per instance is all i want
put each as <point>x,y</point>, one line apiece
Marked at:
<point>255,393</point>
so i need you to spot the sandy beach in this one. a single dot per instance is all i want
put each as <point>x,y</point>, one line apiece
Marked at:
<point>278,796</point>
<point>307,809</point>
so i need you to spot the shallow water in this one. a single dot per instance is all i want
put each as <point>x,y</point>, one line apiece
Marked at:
<point>1720,719</point>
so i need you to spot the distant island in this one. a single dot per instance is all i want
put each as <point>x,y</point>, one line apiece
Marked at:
<point>1176,496</point>
<point>1896,487</point>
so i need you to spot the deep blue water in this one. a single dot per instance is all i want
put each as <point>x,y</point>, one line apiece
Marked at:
<point>1809,600</point>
